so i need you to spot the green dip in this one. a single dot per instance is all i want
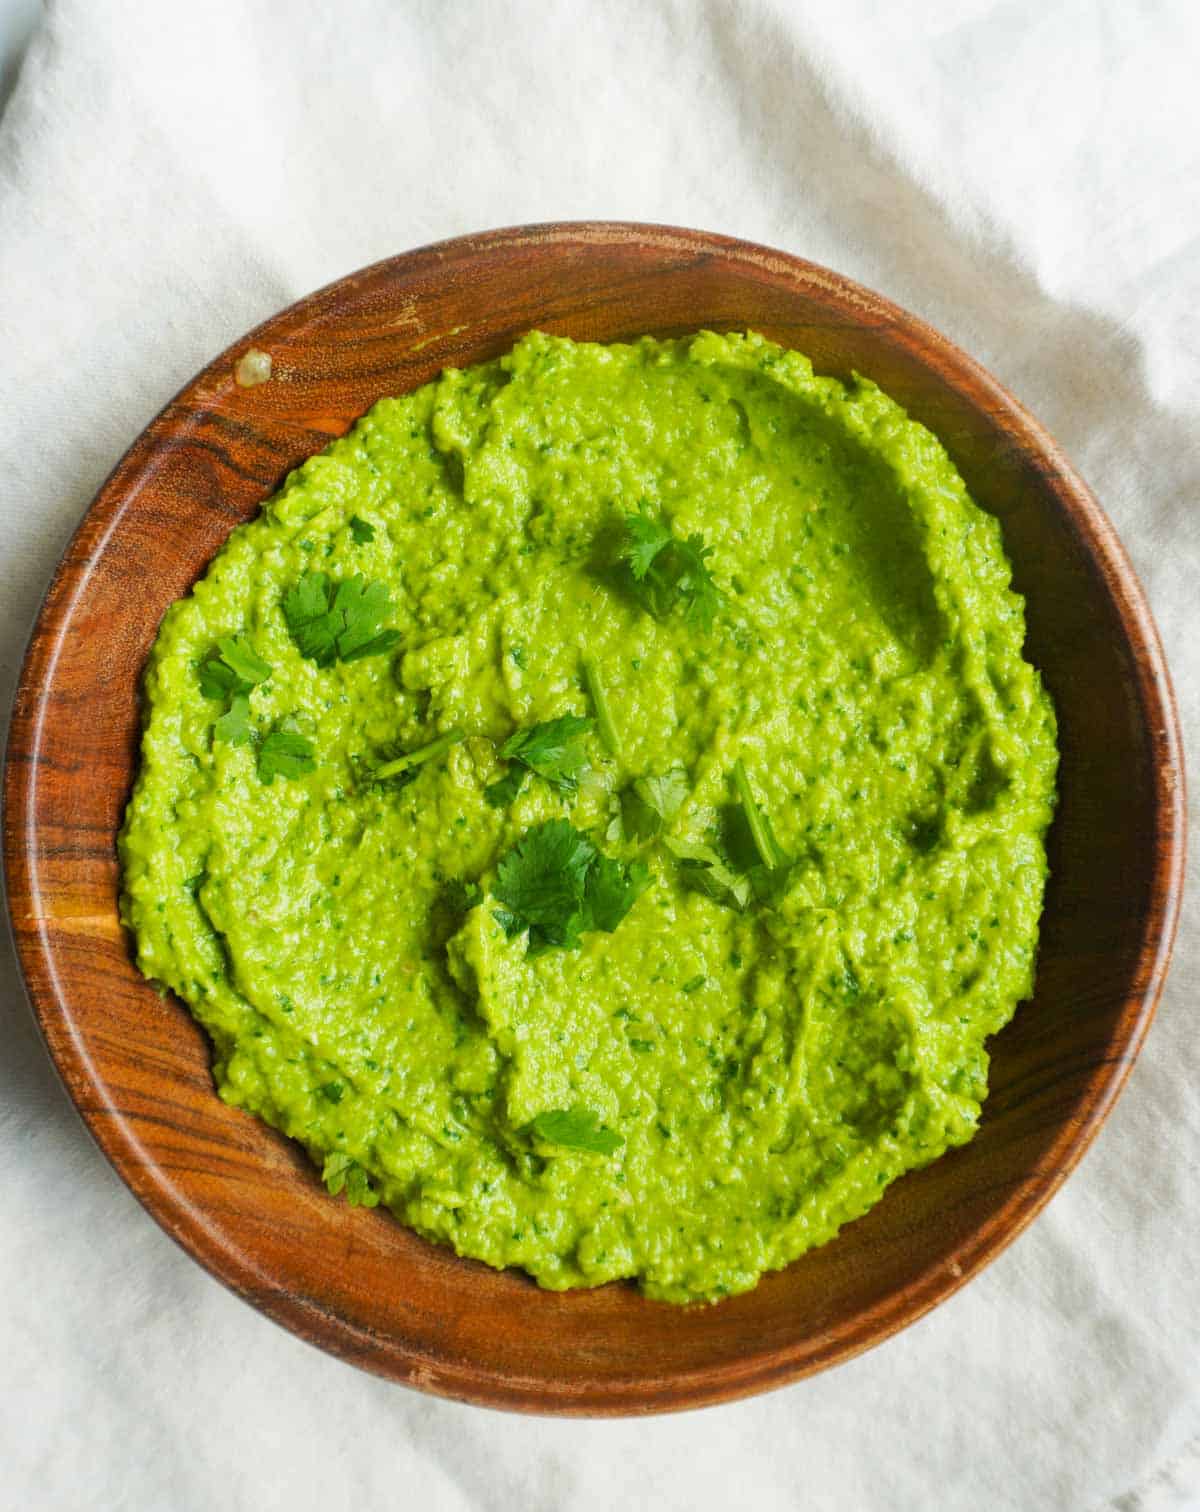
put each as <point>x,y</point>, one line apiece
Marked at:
<point>754,1051</point>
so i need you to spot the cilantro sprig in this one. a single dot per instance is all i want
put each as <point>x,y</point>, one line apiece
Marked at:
<point>667,573</point>
<point>232,672</point>
<point>577,1129</point>
<point>556,885</point>
<point>338,621</point>
<point>553,750</point>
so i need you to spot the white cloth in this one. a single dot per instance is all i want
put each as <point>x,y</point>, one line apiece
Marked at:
<point>1022,174</point>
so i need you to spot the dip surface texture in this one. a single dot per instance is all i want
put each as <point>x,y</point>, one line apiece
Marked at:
<point>753,1053</point>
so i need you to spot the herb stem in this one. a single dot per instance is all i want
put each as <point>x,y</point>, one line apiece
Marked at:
<point>422,754</point>
<point>764,841</point>
<point>604,720</point>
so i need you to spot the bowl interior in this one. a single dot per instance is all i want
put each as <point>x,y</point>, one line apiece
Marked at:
<point>240,1198</point>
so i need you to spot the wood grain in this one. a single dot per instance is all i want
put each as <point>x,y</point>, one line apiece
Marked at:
<point>240,1198</point>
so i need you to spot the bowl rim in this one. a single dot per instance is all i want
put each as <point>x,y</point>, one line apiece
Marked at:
<point>771,1365</point>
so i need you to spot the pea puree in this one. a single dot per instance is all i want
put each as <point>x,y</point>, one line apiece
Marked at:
<point>792,1009</point>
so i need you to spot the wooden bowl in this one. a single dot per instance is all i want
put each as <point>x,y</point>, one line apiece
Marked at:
<point>240,1198</point>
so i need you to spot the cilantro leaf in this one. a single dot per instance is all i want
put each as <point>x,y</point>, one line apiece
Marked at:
<point>461,896</point>
<point>555,884</point>
<point>733,882</point>
<point>334,1172</point>
<point>341,1173</point>
<point>376,646</point>
<point>331,621</point>
<point>551,749</point>
<point>311,620</point>
<point>649,803</point>
<point>238,654</point>
<point>654,801</point>
<point>612,890</point>
<point>664,795</point>
<point>695,583</point>
<point>284,753</point>
<point>577,1129</point>
<point>310,598</point>
<point>232,672</point>
<point>541,882</point>
<point>362,531</point>
<point>707,871</point>
<point>769,883</point>
<point>363,606</point>
<point>219,681</point>
<point>645,539</point>
<point>359,1191</point>
<point>667,573</point>
<point>505,789</point>
<point>233,727</point>
<point>232,669</point>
